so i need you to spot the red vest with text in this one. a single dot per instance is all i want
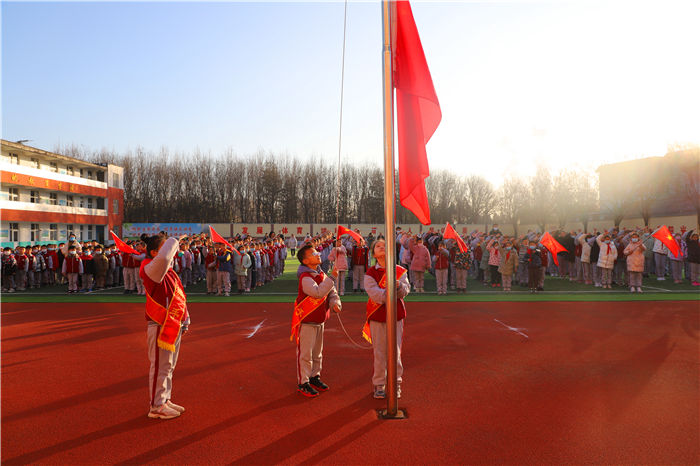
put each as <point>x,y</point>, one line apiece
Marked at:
<point>379,315</point>
<point>321,314</point>
<point>161,292</point>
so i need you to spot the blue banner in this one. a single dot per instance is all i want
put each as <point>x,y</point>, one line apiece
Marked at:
<point>130,230</point>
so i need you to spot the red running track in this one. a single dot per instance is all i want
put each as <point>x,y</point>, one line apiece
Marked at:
<point>593,383</point>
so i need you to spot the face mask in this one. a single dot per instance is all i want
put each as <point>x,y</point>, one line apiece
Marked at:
<point>508,248</point>
<point>318,254</point>
<point>495,228</point>
<point>72,238</point>
<point>43,251</point>
<point>634,240</point>
<point>532,246</point>
<point>72,253</point>
<point>52,249</point>
<point>97,253</point>
<point>607,241</point>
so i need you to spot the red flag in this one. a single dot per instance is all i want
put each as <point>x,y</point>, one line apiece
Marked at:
<point>552,246</point>
<point>217,238</point>
<point>451,233</point>
<point>663,235</point>
<point>121,245</point>
<point>346,231</point>
<point>418,111</point>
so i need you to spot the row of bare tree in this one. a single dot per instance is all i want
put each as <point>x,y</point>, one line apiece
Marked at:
<point>265,187</point>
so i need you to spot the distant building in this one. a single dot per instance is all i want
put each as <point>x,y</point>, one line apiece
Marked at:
<point>667,185</point>
<point>45,196</point>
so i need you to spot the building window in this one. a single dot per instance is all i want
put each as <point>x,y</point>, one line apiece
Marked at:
<point>69,229</point>
<point>14,159</point>
<point>89,174</point>
<point>115,206</point>
<point>34,236</point>
<point>100,202</point>
<point>53,198</point>
<point>54,167</point>
<point>81,173</point>
<point>14,231</point>
<point>14,194</point>
<point>35,163</point>
<point>70,171</point>
<point>115,180</point>
<point>69,201</point>
<point>34,197</point>
<point>53,232</point>
<point>89,203</point>
<point>89,232</point>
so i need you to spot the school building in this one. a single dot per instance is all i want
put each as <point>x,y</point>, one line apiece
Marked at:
<point>45,196</point>
<point>669,185</point>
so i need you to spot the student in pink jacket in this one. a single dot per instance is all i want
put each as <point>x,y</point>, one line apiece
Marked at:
<point>635,262</point>
<point>494,262</point>
<point>419,264</point>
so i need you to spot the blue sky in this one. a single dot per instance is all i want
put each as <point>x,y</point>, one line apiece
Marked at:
<point>570,84</point>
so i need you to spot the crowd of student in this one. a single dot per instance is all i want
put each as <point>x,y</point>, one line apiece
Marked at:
<point>90,266</point>
<point>615,257</point>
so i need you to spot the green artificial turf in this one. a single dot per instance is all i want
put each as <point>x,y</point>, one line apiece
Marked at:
<point>284,289</point>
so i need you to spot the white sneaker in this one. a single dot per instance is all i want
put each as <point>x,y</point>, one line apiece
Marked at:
<point>227,294</point>
<point>177,408</point>
<point>632,290</point>
<point>639,289</point>
<point>163,412</point>
<point>661,279</point>
<point>379,393</point>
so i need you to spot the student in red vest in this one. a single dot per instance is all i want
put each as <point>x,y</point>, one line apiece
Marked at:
<point>72,267</point>
<point>168,319</point>
<point>442,265</point>
<point>316,296</point>
<point>374,330</point>
<point>360,260</point>
<point>22,268</point>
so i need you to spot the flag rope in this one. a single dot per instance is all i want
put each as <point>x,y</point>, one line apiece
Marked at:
<point>340,124</point>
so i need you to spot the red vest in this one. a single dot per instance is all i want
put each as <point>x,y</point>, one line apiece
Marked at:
<point>21,260</point>
<point>72,264</point>
<point>359,256</point>
<point>53,255</point>
<point>209,259</point>
<point>321,314</point>
<point>30,259</point>
<point>379,315</point>
<point>442,260</point>
<point>161,292</point>
<point>127,260</point>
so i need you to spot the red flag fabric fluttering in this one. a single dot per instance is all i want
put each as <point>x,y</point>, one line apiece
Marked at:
<point>346,231</point>
<point>552,246</point>
<point>418,111</point>
<point>665,236</point>
<point>217,238</point>
<point>121,245</point>
<point>451,233</point>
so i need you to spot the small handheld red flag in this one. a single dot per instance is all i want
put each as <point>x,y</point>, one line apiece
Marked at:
<point>217,238</point>
<point>663,235</point>
<point>552,246</point>
<point>346,231</point>
<point>418,111</point>
<point>451,233</point>
<point>121,245</point>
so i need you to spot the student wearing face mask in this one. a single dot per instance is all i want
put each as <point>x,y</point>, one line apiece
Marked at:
<point>693,247</point>
<point>72,241</point>
<point>533,260</point>
<point>676,262</point>
<point>72,267</point>
<point>441,264</point>
<point>508,265</point>
<point>606,259</point>
<point>316,296</point>
<point>9,269</point>
<point>88,275</point>
<point>635,262</point>
<point>242,264</point>
<point>101,263</point>
<point>494,261</point>
<point>51,258</point>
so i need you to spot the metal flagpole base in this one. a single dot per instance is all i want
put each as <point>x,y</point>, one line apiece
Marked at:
<point>400,414</point>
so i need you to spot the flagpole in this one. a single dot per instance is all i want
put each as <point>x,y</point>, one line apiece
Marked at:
<point>392,411</point>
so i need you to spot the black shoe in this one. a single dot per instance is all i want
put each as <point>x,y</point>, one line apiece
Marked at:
<point>307,390</point>
<point>317,384</point>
